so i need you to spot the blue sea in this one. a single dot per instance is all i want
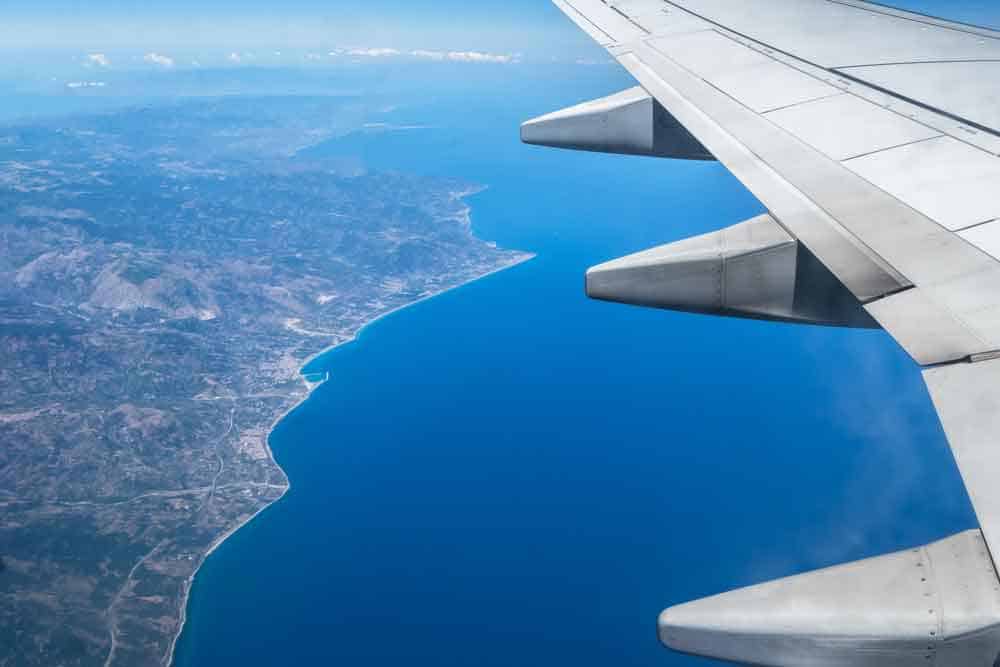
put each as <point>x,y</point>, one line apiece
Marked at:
<point>512,474</point>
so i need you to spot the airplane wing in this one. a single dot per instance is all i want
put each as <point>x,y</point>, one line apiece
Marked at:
<point>872,136</point>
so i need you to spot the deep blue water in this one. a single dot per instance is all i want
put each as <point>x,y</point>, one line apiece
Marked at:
<point>511,474</point>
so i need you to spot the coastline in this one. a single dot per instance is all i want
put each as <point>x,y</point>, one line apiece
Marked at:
<point>297,401</point>
<point>527,257</point>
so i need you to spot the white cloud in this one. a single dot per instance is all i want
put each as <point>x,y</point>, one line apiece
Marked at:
<point>98,59</point>
<point>85,84</point>
<point>373,52</point>
<point>159,59</point>
<point>429,54</point>
<point>313,56</point>
<point>465,56</point>
<point>480,57</point>
<point>234,57</point>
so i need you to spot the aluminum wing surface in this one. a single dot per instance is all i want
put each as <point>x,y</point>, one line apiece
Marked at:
<point>872,137</point>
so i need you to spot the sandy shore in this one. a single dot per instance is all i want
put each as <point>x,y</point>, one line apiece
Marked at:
<point>310,387</point>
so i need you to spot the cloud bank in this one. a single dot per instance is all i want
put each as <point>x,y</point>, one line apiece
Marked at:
<point>372,53</point>
<point>428,54</point>
<point>466,56</point>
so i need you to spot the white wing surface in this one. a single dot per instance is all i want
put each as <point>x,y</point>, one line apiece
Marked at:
<point>872,137</point>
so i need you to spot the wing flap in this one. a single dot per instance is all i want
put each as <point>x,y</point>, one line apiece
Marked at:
<point>862,127</point>
<point>950,182</point>
<point>973,88</point>
<point>967,398</point>
<point>985,237</point>
<point>928,333</point>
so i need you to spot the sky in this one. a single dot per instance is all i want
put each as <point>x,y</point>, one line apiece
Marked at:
<point>533,28</point>
<point>88,49</point>
<point>509,25</point>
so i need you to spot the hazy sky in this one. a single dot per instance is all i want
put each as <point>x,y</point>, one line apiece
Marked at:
<point>509,25</point>
<point>532,27</point>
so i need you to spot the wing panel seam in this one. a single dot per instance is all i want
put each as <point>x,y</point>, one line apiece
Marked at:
<point>978,224</point>
<point>917,17</point>
<point>918,103</point>
<point>864,251</point>
<point>803,102</point>
<point>626,17</point>
<point>958,61</point>
<point>584,18</point>
<point>889,148</point>
<point>722,29</point>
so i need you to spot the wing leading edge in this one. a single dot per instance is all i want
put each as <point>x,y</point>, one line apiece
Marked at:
<point>871,135</point>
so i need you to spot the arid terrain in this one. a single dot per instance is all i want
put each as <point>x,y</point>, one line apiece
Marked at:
<point>164,274</point>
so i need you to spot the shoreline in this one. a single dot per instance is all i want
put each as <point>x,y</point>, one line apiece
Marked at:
<point>310,387</point>
<point>357,334</point>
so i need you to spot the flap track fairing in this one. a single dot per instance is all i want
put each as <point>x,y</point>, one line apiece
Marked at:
<point>936,605</point>
<point>754,269</point>
<point>630,122</point>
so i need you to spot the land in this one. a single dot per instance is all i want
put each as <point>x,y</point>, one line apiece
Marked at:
<point>164,274</point>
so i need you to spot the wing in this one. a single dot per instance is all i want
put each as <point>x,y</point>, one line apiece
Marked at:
<point>871,135</point>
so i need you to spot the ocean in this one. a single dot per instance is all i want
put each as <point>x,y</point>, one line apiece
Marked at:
<point>512,474</point>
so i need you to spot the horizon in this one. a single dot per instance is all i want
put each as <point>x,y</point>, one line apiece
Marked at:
<point>63,37</point>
